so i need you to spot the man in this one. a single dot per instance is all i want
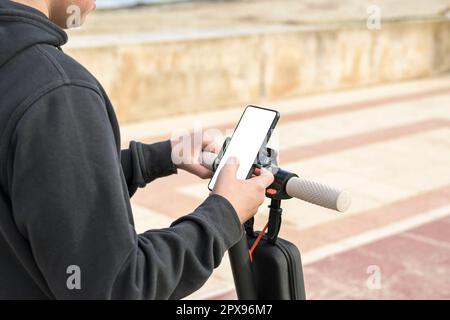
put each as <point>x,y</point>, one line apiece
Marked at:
<point>65,184</point>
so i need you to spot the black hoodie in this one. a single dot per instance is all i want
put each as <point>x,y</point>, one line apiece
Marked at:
<point>65,185</point>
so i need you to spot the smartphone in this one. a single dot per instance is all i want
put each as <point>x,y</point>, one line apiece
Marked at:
<point>251,133</point>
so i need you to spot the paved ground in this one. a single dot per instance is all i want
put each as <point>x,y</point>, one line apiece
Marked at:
<point>389,146</point>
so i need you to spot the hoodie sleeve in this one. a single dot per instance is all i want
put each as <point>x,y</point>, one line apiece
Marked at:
<point>143,163</point>
<point>70,202</point>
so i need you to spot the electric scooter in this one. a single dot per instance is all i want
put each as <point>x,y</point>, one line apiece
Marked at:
<point>287,185</point>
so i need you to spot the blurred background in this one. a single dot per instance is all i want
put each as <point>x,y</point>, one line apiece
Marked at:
<point>363,88</point>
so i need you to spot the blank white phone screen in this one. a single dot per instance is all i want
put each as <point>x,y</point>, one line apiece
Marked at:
<point>247,140</point>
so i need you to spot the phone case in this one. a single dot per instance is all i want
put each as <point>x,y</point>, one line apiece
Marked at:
<point>269,133</point>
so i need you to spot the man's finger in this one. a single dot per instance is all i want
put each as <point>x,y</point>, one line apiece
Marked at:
<point>231,167</point>
<point>203,172</point>
<point>265,178</point>
<point>213,147</point>
<point>210,144</point>
<point>206,139</point>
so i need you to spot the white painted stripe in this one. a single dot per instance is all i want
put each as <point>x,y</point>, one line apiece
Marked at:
<point>374,235</point>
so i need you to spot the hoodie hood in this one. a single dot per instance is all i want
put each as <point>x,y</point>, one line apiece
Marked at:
<point>22,27</point>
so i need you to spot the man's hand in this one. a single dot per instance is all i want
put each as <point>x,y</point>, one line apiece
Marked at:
<point>187,150</point>
<point>246,196</point>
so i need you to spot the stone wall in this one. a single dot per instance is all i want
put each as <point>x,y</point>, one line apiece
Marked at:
<point>150,76</point>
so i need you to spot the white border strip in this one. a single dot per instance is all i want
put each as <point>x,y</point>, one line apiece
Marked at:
<point>374,235</point>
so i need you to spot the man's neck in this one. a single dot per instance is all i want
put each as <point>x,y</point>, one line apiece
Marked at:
<point>40,5</point>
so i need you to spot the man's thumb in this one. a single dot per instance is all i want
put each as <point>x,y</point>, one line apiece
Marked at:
<point>231,166</point>
<point>266,177</point>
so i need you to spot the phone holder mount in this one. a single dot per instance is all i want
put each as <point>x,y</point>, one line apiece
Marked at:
<point>267,158</point>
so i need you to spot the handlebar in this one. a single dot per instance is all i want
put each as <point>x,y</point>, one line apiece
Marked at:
<point>319,194</point>
<point>309,191</point>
